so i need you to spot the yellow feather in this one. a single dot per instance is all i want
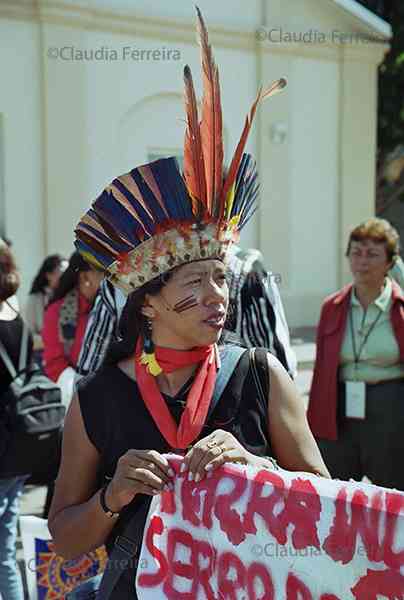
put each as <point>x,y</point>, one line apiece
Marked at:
<point>230,200</point>
<point>234,221</point>
<point>93,261</point>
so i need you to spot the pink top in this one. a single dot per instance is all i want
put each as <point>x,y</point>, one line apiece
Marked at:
<point>55,360</point>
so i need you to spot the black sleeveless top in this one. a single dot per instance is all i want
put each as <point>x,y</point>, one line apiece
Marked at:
<point>11,337</point>
<point>117,420</point>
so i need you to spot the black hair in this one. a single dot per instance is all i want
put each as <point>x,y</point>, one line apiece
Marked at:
<point>70,278</point>
<point>132,322</point>
<point>50,264</point>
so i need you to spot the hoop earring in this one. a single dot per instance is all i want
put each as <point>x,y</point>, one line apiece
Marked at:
<point>148,356</point>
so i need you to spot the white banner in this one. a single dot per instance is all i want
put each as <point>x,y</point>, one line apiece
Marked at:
<point>251,534</point>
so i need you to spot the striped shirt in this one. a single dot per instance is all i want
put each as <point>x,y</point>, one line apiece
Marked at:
<point>102,328</point>
<point>256,316</point>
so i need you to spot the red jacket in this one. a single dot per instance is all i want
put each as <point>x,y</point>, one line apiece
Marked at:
<point>55,360</point>
<point>322,412</point>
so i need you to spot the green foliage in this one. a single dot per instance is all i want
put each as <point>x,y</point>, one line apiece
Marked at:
<point>391,77</point>
<point>391,87</point>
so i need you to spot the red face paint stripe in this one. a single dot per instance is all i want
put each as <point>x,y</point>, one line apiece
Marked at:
<point>185,304</point>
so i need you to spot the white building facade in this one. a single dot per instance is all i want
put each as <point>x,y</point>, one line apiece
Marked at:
<point>92,88</point>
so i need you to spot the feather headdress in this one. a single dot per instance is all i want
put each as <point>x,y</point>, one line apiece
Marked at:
<point>154,218</point>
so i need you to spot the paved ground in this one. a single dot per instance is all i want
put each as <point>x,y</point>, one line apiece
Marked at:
<point>32,504</point>
<point>303,344</point>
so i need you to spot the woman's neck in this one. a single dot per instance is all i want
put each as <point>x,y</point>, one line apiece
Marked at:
<point>171,383</point>
<point>366,294</point>
<point>168,383</point>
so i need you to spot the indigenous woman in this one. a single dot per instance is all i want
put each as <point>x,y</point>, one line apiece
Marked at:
<point>163,238</point>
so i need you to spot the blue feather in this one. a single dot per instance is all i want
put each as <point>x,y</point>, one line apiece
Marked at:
<point>171,184</point>
<point>84,247</point>
<point>147,222</point>
<point>119,247</point>
<point>246,190</point>
<point>119,218</point>
<point>149,199</point>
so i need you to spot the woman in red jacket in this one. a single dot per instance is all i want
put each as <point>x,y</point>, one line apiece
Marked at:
<point>65,323</point>
<point>356,407</point>
<point>66,318</point>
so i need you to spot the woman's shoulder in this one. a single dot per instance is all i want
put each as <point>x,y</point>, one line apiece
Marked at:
<point>10,322</point>
<point>335,303</point>
<point>397,294</point>
<point>98,377</point>
<point>243,355</point>
<point>106,380</point>
<point>8,314</point>
<point>243,359</point>
<point>338,297</point>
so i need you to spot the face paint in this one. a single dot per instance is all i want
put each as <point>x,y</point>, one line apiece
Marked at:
<point>185,304</point>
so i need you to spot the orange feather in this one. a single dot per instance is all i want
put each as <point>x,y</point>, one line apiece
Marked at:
<point>211,123</point>
<point>276,86</point>
<point>194,169</point>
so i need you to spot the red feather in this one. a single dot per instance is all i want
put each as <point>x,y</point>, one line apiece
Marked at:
<point>194,169</point>
<point>211,123</point>
<point>276,86</point>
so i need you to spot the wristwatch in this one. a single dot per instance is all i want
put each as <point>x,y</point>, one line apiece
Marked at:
<point>111,514</point>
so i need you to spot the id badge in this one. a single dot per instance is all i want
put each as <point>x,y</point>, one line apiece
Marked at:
<point>355,399</point>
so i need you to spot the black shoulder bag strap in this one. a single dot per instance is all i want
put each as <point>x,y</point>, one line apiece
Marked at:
<point>22,363</point>
<point>256,377</point>
<point>230,357</point>
<point>126,545</point>
<point>7,361</point>
<point>260,387</point>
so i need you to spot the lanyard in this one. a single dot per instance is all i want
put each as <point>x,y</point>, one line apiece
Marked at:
<point>365,339</point>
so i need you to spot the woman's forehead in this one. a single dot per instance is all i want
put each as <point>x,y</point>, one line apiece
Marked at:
<point>367,244</point>
<point>199,266</point>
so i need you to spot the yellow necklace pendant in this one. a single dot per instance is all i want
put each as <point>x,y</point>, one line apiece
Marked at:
<point>152,366</point>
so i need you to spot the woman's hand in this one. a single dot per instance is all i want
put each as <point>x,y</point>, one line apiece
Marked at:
<point>213,451</point>
<point>138,472</point>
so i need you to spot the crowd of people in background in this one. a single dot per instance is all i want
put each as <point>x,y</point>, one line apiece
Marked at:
<point>355,407</point>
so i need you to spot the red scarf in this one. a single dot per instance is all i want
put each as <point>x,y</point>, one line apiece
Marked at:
<point>199,397</point>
